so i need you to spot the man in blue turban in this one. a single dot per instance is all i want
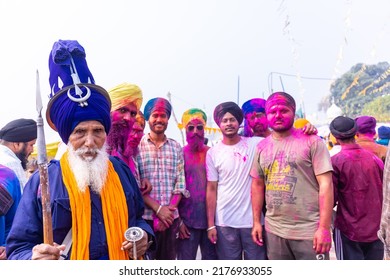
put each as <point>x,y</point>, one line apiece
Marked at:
<point>94,196</point>
<point>160,160</point>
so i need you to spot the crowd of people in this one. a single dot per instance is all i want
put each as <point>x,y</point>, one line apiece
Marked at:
<point>269,189</point>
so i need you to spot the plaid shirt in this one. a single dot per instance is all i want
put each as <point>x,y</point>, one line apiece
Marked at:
<point>164,167</point>
<point>384,230</point>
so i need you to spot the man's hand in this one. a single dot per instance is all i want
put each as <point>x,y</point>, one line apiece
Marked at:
<point>141,246</point>
<point>166,215</point>
<point>184,233</point>
<point>146,187</point>
<point>47,252</point>
<point>257,234</point>
<point>309,129</point>
<point>322,241</point>
<point>3,256</point>
<point>212,235</point>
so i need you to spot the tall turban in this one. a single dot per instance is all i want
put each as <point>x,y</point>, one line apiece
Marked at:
<point>228,107</point>
<point>366,124</point>
<point>253,105</point>
<point>80,99</point>
<point>157,103</point>
<point>280,98</point>
<point>343,127</point>
<point>125,93</point>
<point>192,114</point>
<point>20,130</point>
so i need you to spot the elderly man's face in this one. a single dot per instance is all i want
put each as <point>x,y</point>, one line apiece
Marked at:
<point>124,116</point>
<point>89,135</point>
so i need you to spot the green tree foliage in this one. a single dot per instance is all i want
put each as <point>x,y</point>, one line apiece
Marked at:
<point>379,108</point>
<point>360,87</point>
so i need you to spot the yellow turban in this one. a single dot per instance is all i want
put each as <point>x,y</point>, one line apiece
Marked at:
<point>125,93</point>
<point>191,114</point>
<point>300,123</point>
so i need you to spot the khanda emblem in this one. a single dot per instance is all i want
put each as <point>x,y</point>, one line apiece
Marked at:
<point>82,100</point>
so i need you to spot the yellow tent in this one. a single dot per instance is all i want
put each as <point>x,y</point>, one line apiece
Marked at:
<point>51,149</point>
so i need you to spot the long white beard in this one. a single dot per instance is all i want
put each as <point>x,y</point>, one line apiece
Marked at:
<point>90,171</point>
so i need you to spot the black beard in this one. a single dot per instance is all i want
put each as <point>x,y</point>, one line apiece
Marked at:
<point>117,137</point>
<point>23,158</point>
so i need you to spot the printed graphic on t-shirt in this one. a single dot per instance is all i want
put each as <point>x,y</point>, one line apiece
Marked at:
<point>280,179</point>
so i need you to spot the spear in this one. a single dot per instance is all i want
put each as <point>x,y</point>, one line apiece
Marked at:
<point>43,172</point>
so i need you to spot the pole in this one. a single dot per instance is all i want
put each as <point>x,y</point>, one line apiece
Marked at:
<point>43,171</point>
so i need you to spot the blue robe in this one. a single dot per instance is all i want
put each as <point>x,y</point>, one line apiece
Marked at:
<point>27,229</point>
<point>10,181</point>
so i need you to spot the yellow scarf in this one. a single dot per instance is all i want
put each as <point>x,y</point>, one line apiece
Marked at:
<point>114,213</point>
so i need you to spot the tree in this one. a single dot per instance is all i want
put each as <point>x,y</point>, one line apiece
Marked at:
<point>359,87</point>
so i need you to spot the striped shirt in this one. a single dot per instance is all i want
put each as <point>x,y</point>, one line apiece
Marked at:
<point>164,167</point>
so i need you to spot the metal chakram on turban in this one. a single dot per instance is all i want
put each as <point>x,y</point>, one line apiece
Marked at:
<point>74,95</point>
<point>157,103</point>
<point>192,114</point>
<point>253,105</point>
<point>228,107</point>
<point>125,93</point>
<point>20,130</point>
<point>343,127</point>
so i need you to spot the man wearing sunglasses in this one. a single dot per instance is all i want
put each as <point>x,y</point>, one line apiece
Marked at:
<point>192,210</point>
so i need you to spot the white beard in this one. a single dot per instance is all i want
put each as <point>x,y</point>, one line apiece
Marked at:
<point>89,171</point>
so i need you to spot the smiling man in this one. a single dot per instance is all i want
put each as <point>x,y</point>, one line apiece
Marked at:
<point>229,208</point>
<point>292,171</point>
<point>160,160</point>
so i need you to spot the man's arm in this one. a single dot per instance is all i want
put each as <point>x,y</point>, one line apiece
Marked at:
<point>211,203</point>
<point>322,237</point>
<point>257,194</point>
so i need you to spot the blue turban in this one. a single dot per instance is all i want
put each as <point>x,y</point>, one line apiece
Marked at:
<point>79,99</point>
<point>253,105</point>
<point>157,103</point>
<point>384,132</point>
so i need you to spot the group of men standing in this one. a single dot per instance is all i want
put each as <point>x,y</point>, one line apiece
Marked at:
<point>266,195</point>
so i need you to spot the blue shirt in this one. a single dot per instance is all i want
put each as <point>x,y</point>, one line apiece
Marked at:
<point>10,181</point>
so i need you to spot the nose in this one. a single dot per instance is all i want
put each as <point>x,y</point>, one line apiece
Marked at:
<point>90,141</point>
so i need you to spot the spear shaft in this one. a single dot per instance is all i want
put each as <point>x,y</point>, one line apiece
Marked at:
<point>43,171</point>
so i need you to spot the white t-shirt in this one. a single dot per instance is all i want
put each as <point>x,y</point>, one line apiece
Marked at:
<point>230,166</point>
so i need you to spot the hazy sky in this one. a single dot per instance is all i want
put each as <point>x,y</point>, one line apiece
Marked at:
<point>194,49</point>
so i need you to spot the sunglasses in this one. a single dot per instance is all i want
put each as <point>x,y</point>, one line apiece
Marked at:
<point>199,127</point>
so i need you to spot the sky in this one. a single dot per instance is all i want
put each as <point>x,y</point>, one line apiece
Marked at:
<point>203,52</point>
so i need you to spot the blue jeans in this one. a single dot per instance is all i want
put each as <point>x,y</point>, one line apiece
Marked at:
<point>237,244</point>
<point>188,248</point>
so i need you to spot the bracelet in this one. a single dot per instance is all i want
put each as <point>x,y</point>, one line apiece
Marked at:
<point>159,209</point>
<point>210,228</point>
